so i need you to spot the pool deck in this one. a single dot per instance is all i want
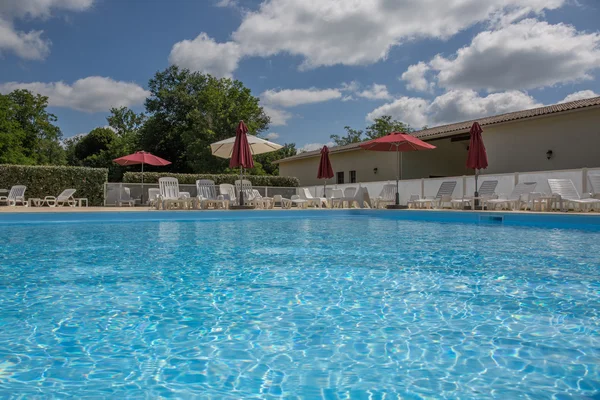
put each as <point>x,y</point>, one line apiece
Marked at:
<point>21,209</point>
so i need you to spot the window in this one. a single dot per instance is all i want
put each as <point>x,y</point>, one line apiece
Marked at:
<point>352,176</point>
<point>340,177</point>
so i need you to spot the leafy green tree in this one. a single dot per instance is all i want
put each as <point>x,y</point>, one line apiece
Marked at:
<point>11,135</point>
<point>187,111</point>
<point>27,130</point>
<point>352,136</point>
<point>125,121</point>
<point>385,125</point>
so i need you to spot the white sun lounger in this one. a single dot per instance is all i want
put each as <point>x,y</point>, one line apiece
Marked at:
<point>387,196</point>
<point>515,200</point>
<point>207,195</point>
<point>566,193</point>
<point>487,190</point>
<point>336,197</point>
<point>361,198</point>
<point>299,202</point>
<point>348,197</point>
<point>66,197</point>
<point>16,195</point>
<point>595,186</point>
<point>170,195</point>
<point>316,201</point>
<point>444,195</point>
<point>285,203</point>
<point>153,196</point>
<point>228,192</point>
<point>125,197</point>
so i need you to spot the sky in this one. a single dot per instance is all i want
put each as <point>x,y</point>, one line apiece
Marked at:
<point>316,65</point>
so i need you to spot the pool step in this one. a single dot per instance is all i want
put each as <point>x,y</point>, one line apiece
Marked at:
<point>491,219</point>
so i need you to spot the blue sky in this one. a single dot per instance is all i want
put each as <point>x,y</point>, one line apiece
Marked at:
<point>317,65</point>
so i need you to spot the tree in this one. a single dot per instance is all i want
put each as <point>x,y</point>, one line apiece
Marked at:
<point>11,135</point>
<point>187,111</point>
<point>352,136</point>
<point>27,130</point>
<point>125,121</point>
<point>385,125</point>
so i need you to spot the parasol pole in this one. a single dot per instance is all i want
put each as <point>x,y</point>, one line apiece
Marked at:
<point>397,175</point>
<point>142,196</point>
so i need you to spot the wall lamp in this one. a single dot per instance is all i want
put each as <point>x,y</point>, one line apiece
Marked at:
<point>549,154</point>
<point>375,170</point>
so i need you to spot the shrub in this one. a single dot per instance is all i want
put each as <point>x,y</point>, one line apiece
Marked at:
<point>44,181</point>
<point>262,180</point>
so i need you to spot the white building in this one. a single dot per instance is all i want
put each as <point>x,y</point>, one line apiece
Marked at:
<point>558,137</point>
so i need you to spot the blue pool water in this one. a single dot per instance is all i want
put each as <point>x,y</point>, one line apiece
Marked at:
<point>334,306</point>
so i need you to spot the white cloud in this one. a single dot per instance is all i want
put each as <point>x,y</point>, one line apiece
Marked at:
<point>296,97</point>
<point>272,135</point>
<point>31,45</point>
<point>410,110</point>
<point>359,32</point>
<point>314,146</point>
<point>376,92</point>
<point>278,117</point>
<point>348,98</point>
<point>415,77</point>
<point>350,86</point>
<point>91,94</point>
<point>205,55</point>
<point>583,94</point>
<point>453,106</point>
<point>525,55</point>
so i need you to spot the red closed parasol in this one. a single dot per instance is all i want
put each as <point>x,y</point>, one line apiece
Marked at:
<point>477,156</point>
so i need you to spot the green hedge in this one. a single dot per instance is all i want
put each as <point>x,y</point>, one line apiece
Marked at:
<point>257,180</point>
<point>44,181</point>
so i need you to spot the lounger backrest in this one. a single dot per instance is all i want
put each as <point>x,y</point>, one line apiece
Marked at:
<point>125,194</point>
<point>206,189</point>
<point>521,189</point>
<point>228,191</point>
<point>243,185</point>
<point>487,188</point>
<point>305,194</point>
<point>446,189</point>
<point>17,192</point>
<point>388,192</point>
<point>169,188</point>
<point>337,193</point>
<point>362,197</point>
<point>350,192</point>
<point>595,184</point>
<point>564,187</point>
<point>66,194</point>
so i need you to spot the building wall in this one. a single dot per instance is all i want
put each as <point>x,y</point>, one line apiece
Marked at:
<point>519,146</point>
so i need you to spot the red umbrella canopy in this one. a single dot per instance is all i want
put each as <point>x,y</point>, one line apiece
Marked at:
<point>477,157</point>
<point>325,169</point>
<point>141,157</point>
<point>241,155</point>
<point>397,141</point>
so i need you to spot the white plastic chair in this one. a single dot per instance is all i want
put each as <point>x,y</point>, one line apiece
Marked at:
<point>153,196</point>
<point>169,193</point>
<point>487,190</point>
<point>566,193</point>
<point>125,197</point>
<point>317,201</point>
<point>444,195</point>
<point>66,197</point>
<point>16,195</point>
<point>387,195</point>
<point>207,195</point>
<point>336,197</point>
<point>594,186</point>
<point>361,198</point>
<point>228,192</point>
<point>515,200</point>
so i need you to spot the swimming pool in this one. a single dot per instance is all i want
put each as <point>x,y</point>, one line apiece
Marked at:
<point>301,305</point>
